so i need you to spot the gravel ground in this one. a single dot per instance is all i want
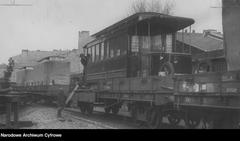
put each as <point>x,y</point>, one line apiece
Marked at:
<point>45,118</point>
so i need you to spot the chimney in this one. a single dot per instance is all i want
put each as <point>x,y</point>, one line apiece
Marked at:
<point>83,36</point>
<point>24,52</point>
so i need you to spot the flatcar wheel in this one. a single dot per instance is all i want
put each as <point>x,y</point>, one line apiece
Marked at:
<point>107,110</point>
<point>89,108</point>
<point>83,109</point>
<point>173,119</point>
<point>207,124</point>
<point>192,122</point>
<point>153,119</point>
<point>115,110</point>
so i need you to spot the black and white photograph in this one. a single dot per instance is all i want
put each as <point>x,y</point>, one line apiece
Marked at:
<point>119,64</point>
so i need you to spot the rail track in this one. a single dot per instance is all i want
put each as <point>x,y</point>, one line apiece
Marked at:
<point>112,121</point>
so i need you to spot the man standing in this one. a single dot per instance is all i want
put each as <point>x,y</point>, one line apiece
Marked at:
<point>61,102</point>
<point>84,61</point>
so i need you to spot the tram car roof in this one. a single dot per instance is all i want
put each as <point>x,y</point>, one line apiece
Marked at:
<point>172,23</point>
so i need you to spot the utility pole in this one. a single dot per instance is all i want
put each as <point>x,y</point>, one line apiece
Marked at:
<point>13,3</point>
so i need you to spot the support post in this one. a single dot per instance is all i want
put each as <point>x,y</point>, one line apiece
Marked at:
<point>8,114</point>
<point>15,111</point>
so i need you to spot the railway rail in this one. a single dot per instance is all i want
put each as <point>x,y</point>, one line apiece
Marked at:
<point>112,121</point>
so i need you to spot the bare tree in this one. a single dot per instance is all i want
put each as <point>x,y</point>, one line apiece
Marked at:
<point>159,6</point>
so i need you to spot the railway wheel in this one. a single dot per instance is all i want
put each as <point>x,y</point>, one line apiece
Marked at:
<point>107,110</point>
<point>89,108</point>
<point>229,122</point>
<point>83,109</point>
<point>154,118</point>
<point>173,118</point>
<point>192,121</point>
<point>207,124</point>
<point>115,110</point>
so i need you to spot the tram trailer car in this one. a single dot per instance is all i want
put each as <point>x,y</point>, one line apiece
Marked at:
<point>131,64</point>
<point>44,80</point>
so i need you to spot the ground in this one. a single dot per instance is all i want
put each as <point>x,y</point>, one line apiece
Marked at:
<point>46,118</point>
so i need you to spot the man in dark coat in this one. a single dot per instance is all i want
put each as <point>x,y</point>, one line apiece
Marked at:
<point>61,98</point>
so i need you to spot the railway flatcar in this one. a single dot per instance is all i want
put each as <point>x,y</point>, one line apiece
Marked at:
<point>213,98</point>
<point>45,79</point>
<point>131,64</point>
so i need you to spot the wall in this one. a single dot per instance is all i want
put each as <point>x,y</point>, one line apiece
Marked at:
<point>231,29</point>
<point>59,71</point>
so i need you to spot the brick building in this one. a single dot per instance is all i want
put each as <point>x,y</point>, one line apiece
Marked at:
<point>30,58</point>
<point>207,50</point>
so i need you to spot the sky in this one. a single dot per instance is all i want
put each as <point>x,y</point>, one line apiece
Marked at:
<point>54,24</point>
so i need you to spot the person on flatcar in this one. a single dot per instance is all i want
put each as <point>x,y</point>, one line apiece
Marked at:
<point>84,61</point>
<point>61,98</point>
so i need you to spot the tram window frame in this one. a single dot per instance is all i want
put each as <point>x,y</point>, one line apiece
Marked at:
<point>97,52</point>
<point>102,51</point>
<point>90,53</point>
<point>93,53</point>
<point>169,47</point>
<point>106,47</point>
<point>111,52</point>
<point>118,52</point>
<point>164,42</point>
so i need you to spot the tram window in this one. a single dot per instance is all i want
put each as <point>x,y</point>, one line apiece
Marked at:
<point>93,53</point>
<point>111,53</point>
<point>107,50</point>
<point>118,53</point>
<point>97,52</point>
<point>123,52</point>
<point>89,51</point>
<point>53,82</point>
<point>135,44</point>
<point>164,42</point>
<point>146,43</point>
<point>169,43</point>
<point>157,42</point>
<point>102,51</point>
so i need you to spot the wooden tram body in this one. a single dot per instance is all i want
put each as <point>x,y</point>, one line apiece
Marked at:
<point>132,63</point>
